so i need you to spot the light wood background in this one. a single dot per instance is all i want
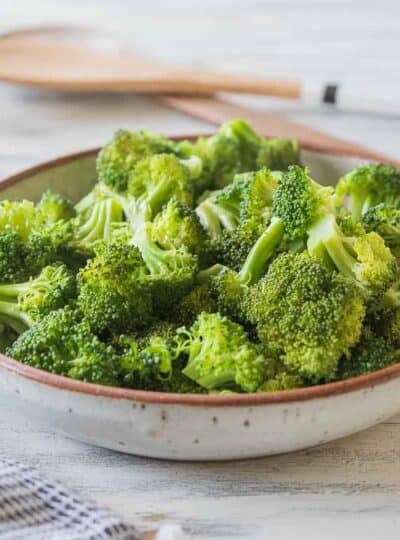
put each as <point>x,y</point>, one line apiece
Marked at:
<point>349,489</point>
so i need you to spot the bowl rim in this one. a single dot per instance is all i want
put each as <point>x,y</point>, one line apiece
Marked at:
<point>251,399</point>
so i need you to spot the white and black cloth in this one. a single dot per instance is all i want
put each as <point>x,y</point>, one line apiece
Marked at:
<point>32,508</point>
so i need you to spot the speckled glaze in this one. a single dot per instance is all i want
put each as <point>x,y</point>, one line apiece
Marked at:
<point>189,427</point>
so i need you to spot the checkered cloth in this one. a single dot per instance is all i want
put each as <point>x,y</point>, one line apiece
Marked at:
<point>32,508</point>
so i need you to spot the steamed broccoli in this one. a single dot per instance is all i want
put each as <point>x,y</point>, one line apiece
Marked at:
<point>62,343</point>
<point>384,219</point>
<point>363,257</point>
<point>22,304</point>
<point>236,148</point>
<point>305,315</point>
<point>369,185</point>
<point>119,157</point>
<point>171,271</point>
<point>220,355</point>
<point>373,352</point>
<point>268,282</point>
<point>177,225</point>
<point>114,294</point>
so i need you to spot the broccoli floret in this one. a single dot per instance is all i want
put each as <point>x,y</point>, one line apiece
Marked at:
<point>363,258</point>
<point>53,207</point>
<point>62,343</point>
<point>236,148</point>
<point>14,256</point>
<point>384,219</point>
<point>18,217</point>
<point>215,217</point>
<point>22,304</point>
<point>153,361</point>
<point>199,299</point>
<point>367,186</point>
<point>98,214</point>
<point>278,154</point>
<point>177,225</point>
<point>299,201</point>
<point>114,294</point>
<point>220,355</point>
<point>237,215</point>
<point>172,271</point>
<point>155,181</point>
<point>305,315</point>
<point>373,352</point>
<point>282,381</point>
<point>119,157</point>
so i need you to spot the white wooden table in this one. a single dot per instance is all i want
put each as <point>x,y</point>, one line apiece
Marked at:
<point>348,489</point>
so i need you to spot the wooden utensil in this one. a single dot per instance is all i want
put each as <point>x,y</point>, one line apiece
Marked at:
<point>25,59</point>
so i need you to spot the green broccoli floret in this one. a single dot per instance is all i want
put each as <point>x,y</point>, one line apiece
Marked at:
<point>220,355</point>
<point>98,213</point>
<point>305,315</point>
<point>282,381</point>
<point>172,271</point>
<point>200,298</point>
<point>363,257</point>
<point>384,219</point>
<point>155,181</point>
<point>236,148</point>
<point>367,186</point>
<point>114,293</point>
<point>299,201</point>
<point>18,217</point>
<point>14,258</point>
<point>53,207</point>
<point>278,154</point>
<point>237,215</point>
<point>22,304</point>
<point>62,343</point>
<point>177,225</point>
<point>119,157</point>
<point>373,352</point>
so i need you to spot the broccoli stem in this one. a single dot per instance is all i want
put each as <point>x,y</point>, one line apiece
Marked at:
<point>326,241</point>
<point>19,321</point>
<point>214,218</point>
<point>262,250</point>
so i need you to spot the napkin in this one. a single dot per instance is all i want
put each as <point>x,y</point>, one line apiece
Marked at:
<point>33,508</point>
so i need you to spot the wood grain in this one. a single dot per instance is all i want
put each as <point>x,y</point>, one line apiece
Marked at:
<point>56,66</point>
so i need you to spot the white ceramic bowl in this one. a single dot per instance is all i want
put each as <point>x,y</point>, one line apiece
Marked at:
<point>191,427</point>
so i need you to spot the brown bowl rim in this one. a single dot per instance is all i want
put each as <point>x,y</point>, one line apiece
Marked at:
<point>287,396</point>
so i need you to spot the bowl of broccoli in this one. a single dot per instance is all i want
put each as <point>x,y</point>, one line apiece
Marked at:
<point>212,297</point>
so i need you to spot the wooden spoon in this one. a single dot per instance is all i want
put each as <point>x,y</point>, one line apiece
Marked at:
<point>34,58</point>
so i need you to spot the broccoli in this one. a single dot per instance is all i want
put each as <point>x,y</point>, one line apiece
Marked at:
<point>367,186</point>
<point>220,355</point>
<point>199,299</point>
<point>62,343</point>
<point>97,215</point>
<point>363,257</point>
<point>177,225</point>
<point>237,215</point>
<point>118,159</point>
<point>22,304</point>
<point>114,293</point>
<point>236,148</point>
<point>305,315</point>
<point>384,219</point>
<point>157,179</point>
<point>172,271</point>
<point>373,352</point>
<point>53,207</point>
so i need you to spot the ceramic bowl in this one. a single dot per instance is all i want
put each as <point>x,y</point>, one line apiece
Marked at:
<point>191,427</point>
